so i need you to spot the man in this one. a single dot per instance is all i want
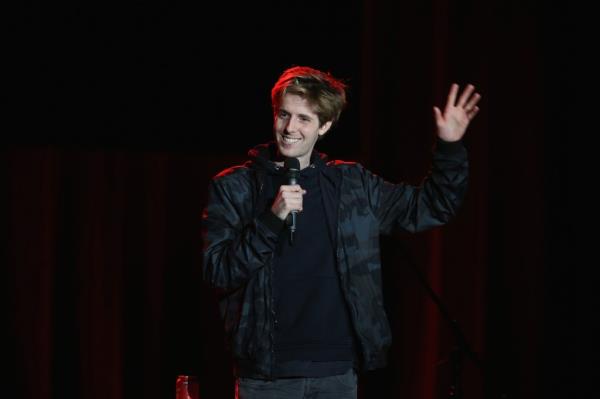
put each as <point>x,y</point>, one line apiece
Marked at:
<point>304,315</point>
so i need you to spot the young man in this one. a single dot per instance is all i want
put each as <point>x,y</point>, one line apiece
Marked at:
<point>305,315</point>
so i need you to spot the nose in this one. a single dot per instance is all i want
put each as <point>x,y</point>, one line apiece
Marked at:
<point>291,125</point>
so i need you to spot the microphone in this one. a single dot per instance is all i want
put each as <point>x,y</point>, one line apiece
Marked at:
<point>292,168</point>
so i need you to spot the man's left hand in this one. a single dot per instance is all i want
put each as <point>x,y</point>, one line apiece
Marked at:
<point>453,123</point>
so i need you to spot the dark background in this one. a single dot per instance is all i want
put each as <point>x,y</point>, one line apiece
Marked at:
<point>117,116</point>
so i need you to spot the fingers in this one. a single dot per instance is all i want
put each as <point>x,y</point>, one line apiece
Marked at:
<point>292,188</point>
<point>291,197</point>
<point>451,97</point>
<point>465,96</point>
<point>468,101</point>
<point>471,114</point>
<point>472,102</point>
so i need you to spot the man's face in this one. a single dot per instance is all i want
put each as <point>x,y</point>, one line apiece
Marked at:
<point>297,129</point>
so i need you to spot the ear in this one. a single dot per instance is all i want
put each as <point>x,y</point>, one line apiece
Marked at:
<point>323,129</point>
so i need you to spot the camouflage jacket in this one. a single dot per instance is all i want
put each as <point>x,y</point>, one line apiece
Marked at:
<point>239,244</point>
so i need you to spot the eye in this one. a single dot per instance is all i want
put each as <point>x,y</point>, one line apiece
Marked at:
<point>283,114</point>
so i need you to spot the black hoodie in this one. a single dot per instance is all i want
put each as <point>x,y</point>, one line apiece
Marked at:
<point>313,334</point>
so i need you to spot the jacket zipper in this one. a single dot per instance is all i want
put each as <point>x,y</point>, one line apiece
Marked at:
<point>272,308</point>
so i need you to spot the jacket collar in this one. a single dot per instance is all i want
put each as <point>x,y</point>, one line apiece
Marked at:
<point>265,156</point>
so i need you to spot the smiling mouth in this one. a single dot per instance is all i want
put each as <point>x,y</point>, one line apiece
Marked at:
<point>290,140</point>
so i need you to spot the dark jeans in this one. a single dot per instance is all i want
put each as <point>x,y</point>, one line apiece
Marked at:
<point>334,387</point>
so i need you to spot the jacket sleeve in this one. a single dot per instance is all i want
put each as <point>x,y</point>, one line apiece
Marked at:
<point>236,244</point>
<point>433,203</point>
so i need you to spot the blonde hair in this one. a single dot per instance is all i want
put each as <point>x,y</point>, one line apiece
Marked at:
<point>324,92</point>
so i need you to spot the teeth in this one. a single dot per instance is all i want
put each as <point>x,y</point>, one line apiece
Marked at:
<point>290,140</point>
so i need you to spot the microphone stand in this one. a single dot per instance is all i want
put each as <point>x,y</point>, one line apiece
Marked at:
<point>461,347</point>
